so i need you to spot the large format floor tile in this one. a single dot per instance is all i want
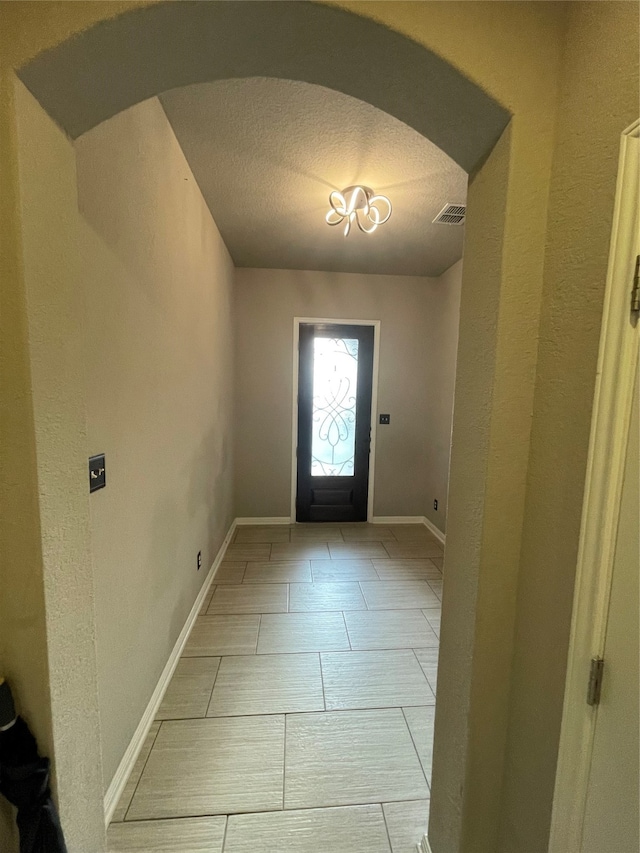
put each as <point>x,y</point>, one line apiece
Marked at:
<point>325,596</point>
<point>417,549</point>
<point>432,615</point>
<point>355,550</point>
<point>261,535</point>
<point>300,550</point>
<point>428,660</point>
<point>355,829</point>
<point>132,782</point>
<point>326,571</point>
<point>350,757</point>
<point>316,533</point>
<point>376,533</point>
<point>223,635</point>
<point>267,684</point>
<point>420,722</point>
<point>406,570</point>
<point>207,599</point>
<point>248,552</point>
<point>281,633</point>
<point>317,649</point>
<point>285,571</point>
<point>389,629</point>
<point>378,679</point>
<point>407,824</point>
<point>190,689</point>
<point>395,595</point>
<point>436,585</point>
<point>249,598</point>
<point>185,835</point>
<point>212,766</point>
<point>230,571</point>
<point>411,532</point>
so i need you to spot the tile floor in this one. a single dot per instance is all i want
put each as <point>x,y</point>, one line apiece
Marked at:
<point>300,716</point>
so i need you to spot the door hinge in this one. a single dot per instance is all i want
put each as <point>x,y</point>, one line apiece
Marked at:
<point>635,293</point>
<point>595,681</point>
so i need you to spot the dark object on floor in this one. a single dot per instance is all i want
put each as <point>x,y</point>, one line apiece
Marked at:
<point>24,781</point>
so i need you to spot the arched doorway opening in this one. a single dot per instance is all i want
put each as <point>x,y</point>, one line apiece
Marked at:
<point>88,79</point>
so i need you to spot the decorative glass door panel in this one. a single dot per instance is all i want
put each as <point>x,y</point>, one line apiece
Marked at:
<point>335,382</point>
<point>334,417</point>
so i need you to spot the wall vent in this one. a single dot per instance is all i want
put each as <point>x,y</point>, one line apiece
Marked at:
<point>452,214</point>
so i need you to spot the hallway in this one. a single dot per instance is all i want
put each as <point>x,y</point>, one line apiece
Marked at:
<point>300,716</point>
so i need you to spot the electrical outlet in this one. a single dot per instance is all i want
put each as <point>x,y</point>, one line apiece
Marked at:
<point>435,505</point>
<point>199,560</point>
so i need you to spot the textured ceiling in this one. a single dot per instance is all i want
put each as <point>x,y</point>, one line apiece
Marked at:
<point>267,152</point>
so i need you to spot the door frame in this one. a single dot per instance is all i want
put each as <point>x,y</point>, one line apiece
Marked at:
<point>617,365</point>
<point>297,321</point>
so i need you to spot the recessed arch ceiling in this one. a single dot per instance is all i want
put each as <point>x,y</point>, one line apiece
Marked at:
<point>121,61</point>
<point>267,152</point>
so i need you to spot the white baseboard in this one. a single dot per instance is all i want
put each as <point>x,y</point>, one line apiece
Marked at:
<point>397,519</point>
<point>115,789</point>
<point>267,520</point>
<point>440,536</point>
<point>424,846</point>
<point>410,519</point>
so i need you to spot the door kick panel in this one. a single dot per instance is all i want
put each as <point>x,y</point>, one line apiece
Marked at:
<point>332,497</point>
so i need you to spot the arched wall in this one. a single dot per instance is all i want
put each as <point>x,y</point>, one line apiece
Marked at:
<point>153,49</point>
<point>509,51</point>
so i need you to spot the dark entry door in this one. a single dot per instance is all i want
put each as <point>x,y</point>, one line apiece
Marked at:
<point>334,422</point>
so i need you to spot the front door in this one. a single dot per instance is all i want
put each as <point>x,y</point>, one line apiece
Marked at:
<point>334,421</point>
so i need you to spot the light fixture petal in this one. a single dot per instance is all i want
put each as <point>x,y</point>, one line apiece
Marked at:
<point>334,218</point>
<point>358,205</point>
<point>373,220</point>
<point>374,202</point>
<point>338,203</point>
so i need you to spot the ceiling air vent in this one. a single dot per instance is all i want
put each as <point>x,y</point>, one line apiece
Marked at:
<point>452,214</point>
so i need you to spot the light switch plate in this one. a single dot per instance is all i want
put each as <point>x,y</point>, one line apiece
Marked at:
<point>97,473</point>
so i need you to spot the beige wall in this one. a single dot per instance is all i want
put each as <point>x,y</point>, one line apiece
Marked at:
<point>159,372</point>
<point>23,640</point>
<point>24,652</point>
<point>418,340</point>
<point>441,329</point>
<point>56,328</point>
<point>600,97</point>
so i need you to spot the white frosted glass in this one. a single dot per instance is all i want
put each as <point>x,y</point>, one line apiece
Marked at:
<point>335,383</point>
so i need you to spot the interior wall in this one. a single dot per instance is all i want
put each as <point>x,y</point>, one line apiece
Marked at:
<point>56,329</point>
<point>23,639</point>
<point>464,657</point>
<point>599,99</point>
<point>442,327</point>
<point>24,653</point>
<point>159,391</point>
<point>418,342</point>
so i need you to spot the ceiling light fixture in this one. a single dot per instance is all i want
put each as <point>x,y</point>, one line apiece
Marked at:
<point>358,205</point>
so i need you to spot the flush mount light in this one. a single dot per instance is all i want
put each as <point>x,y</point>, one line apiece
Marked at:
<point>358,205</point>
